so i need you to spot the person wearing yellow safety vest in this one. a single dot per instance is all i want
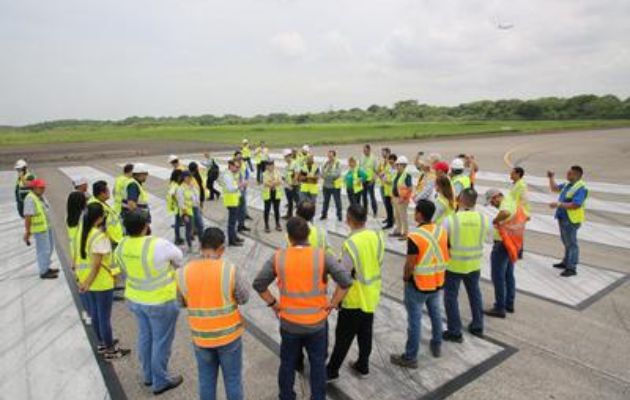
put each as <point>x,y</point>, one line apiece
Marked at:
<point>119,186</point>
<point>501,266</point>
<point>246,151</point>
<point>231,200</point>
<point>134,195</point>
<point>309,180</point>
<point>333,181</point>
<point>387,175</point>
<point>401,194</point>
<point>301,272</point>
<point>212,289</point>
<point>367,162</point>
<point>467,229</point>
<point>471,168</point>
<point>95,273</point>
<point>149,263</point>
<point>272,194</point>
<point>188,205</point>
<point>37,223</point>
<point>171,203</point>
<point>445,203</point>
<point>427,256</point>
<point>111,221</point>
<point>355,176</point>
<point>518,192</point>
<point>302,155</point>
<point>291,184</point>
<point>24,177</point>
<point>75,207</point>
<point>381,167</point>
<point>362,255</point>
<point>317,236</point>
<point>261,156</point>
<point>459,179</point>
<point>570,215</point>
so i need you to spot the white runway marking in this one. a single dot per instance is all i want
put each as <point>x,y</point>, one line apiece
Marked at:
<point>386,381</point>
<point>45,352</point>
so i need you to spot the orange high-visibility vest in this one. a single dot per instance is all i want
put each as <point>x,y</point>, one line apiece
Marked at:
<point>213,316</point>
<point>302,284</point>
<point>432,243</point>
<point>512,232</point>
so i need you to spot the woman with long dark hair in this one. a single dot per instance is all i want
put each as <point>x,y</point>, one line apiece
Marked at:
<point>445,201</point>
<point>95,272</point>
<point>74,209</point>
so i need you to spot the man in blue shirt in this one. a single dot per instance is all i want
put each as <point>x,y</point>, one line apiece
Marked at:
<point>570,215</point>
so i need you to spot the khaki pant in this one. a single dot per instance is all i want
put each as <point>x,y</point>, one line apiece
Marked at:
<point>401,223</point>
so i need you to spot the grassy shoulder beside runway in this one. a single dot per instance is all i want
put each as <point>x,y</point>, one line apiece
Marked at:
<point>290,135</point>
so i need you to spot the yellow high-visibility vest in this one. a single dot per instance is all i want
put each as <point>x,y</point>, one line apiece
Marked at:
<point>576,216</point>
<point>467,231</point>
<point>39,220</point>
<point>83,265</point>
<point>366,248</point>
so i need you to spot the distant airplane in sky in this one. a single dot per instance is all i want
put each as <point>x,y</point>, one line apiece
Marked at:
<point>502,24</point>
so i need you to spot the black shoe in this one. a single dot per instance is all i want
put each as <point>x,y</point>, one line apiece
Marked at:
<point>494,313</point>
<point>395,234</point>
<point>401,361</point>
<point>115,353</point>
<point>568,272</point>
<point>278,228</point>
<point>55,270</point>
<point>451,337</point>
<point>322,218</point>
<point>243,229</point>
<point>560,266</point>
<point>49,275</point>
<point>436,350</point>
<point>235,244</point>
<point>388,226</point>
<point>239,240</point>
<point>475,332</point>
<point>248,217</point>
<point>267,230</point>
<point>510,310</point>
<point>179,242</point>
<point>176,381</point>
<point>100,349</point>
<point>331,375</point>
<point>362,374</point>
<point>384,221</point>
<point>285,217</point>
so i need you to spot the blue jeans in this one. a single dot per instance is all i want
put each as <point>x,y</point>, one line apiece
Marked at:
<point>502,278</point>
<point>178,224</point>
<point>232,222</point>
<point>100,310</point>
<point>198,221</point>
<point>304,196</point>
<point>230,359</point>
<point>368,193</point>
<point>316,345</point>
<point>451,291</point>
<point>156,330</point>
<point>414,301</point>
<point>44,245</point>
<point>568,234</point>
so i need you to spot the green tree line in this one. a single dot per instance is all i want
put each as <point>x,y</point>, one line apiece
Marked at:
<point>585,106</point>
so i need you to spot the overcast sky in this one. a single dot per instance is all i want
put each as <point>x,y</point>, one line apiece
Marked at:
<point>116,58</point>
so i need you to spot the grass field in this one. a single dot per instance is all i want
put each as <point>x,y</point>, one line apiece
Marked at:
<point>287,135</point>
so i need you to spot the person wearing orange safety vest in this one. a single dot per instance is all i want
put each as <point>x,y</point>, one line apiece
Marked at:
<point>570,215</point>
<point>427,257</point>
<point>301,272</point>
<point>212,289</point>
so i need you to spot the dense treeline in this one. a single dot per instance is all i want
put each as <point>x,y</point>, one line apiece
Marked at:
<point>546,108</point>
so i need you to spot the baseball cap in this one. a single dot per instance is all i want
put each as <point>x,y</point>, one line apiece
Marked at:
<point>441,166</point>
<point>79,181</point>
<point>457,163</point>
<point>35,183</point>
<point>490,193</point>
<point>402,160</point>
<point>172,158</point>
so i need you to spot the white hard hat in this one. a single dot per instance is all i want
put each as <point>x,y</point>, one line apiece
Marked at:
<point>172,158</point>
<point>287,152</point>
<point>402,160</point>
<point>140,168</point>
<point>457,163</point>
<point>79,181</point>
<point>245,141</point>
<point>19,164</point>
<point>306,148</point>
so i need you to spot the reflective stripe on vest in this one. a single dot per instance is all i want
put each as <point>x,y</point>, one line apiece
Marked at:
<point>462,180</point>
<point>143,199</point>
<point>357,185</point>
<point>467,232</point>
<point>311,188</point>
<point>366,249</point>
<point>113,223</point>
<point>367,163</point>
<point>301,281</point>
<point>144,284</point>
<point>213,316</point>
<point>432,243</point>
<point>104,280</point>
<point>577,215</point>
<point>39,220</point>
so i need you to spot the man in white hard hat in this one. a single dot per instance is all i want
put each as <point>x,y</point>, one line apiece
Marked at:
<point>80,184</point>
<point>22,188</point>
<point>459,179</point>
<point>174,161</point>
<point>134,195</point>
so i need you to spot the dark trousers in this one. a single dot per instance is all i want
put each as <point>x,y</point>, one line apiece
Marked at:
<point>502,277</point>
<point>291,346</point>
<point>336,195</point>
<point>248,160</point>
<point>242,208</point>
<point>232,222</point>
<point>213,192</point>
<point>451,291</point>
<point>351,323</point>
<point>276,211</point>
<point>353,198</point>
<point>260,169</point>
<point>368,191</point>
<point>389,210</point>
<point>188,225</point>
<point>100,310</point>
<point>292,199</point>
<point>178,224</point>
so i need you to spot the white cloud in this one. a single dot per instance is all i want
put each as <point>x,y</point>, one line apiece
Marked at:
<point>289,44</point>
